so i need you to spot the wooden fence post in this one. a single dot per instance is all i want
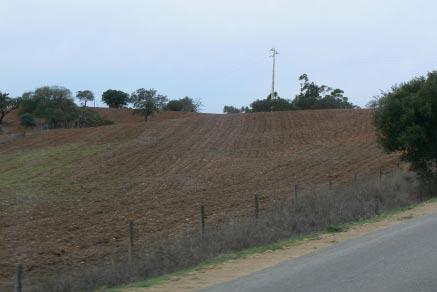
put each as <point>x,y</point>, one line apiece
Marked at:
<point>19,274</point>
<point>256,206</point>
<point>131,241</point>
<point>202,221</point>
<point>295,194</point>
<point>380,174</point>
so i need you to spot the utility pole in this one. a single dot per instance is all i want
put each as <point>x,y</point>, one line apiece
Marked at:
<point>274,53</point>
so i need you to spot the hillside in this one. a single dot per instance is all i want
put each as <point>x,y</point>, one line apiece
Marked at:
<point>66,195</point>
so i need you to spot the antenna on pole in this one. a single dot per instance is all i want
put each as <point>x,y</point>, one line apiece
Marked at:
<point>273,55</point>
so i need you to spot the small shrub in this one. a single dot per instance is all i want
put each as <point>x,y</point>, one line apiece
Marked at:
<point>90,118</point>
<point>26,120</point>
<point>334,228</point>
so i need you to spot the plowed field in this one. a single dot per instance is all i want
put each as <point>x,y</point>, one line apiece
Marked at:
<point>66,195</point>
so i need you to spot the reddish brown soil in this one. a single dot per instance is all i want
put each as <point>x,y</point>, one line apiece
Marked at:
<point>158,173</point>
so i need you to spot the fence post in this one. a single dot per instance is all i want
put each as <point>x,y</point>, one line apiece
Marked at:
<point>330,184</point>
<point>295,192</point>
<point>295,196</point>
<point>19,274</point>
<point>202,221</point>
<point>256,206</point>
<point>380,174</point>
<point>131,241</point>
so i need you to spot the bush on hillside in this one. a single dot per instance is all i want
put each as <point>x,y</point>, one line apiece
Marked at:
<point>27,120</point>
<point>271,105</point>
<point>186,104</point>
<point>229,109</point>
<point>89,118</point>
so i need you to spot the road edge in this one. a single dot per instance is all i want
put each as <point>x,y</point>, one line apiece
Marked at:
<point>197,277</point>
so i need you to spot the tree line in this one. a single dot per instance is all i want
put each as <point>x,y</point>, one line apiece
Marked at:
<point>56,107</point>
<point>311,96</point>
<point>405,117</point>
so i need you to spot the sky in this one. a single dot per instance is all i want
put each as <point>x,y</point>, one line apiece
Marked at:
<point>217,51</point>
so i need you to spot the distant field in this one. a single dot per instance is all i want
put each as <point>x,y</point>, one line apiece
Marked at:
<point>66,195</point>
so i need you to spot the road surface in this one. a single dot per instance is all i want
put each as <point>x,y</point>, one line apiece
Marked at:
<point>400,258</point>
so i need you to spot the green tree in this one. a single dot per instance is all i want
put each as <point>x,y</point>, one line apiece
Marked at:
<point>373,103</point>
<point>313,96</point>
<point>270,104</point>
<point>406,121</point>
<point>27,121</point>
<point>7,105</point>
<point>185,104</point>
<point>85,96</point>
<point>148,101</point>
<point>115,98</point>
<point>261,105</point>
<point>229,109</point>
<point>52,103</point>
<point>281,104</point>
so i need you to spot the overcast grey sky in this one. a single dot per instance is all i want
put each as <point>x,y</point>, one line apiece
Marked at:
<point>215,50</point>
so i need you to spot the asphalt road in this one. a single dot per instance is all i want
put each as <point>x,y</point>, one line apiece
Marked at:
<point>400,258</point>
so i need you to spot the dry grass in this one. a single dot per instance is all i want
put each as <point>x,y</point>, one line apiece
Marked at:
<point>312,211</point>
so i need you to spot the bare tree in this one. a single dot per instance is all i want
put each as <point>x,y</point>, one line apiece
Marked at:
<point>7,104</point>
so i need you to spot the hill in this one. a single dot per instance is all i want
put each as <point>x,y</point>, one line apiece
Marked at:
<point>66,195</point>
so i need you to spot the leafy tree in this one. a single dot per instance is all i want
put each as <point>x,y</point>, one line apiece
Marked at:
<point>115,98</point>
<point>186,104</point>
<point>148,101</point>
<point>27,121</point>
<point>373,103</point>
<point>313,96</point>
<point>52,103</point>
<point>85,96</point>
<point>271,104</point>
<point>229,109</point>
<point>281,104</point>
<point>272,96</point>
<point>175,105</point>
<point>7,104</point>
<point>406,121</point>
